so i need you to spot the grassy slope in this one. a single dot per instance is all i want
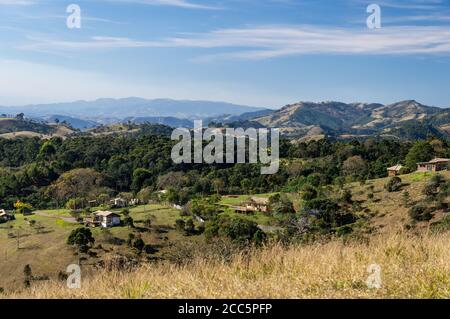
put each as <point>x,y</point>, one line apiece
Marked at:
<point>412,265</point>
<point>47,252</point>
<point>389,213</point>
<point>13,128</point>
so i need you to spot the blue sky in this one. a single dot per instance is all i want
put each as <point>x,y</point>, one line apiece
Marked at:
<point>256,52</point>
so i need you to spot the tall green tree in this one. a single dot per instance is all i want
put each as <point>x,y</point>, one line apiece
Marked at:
<point>421,151</point>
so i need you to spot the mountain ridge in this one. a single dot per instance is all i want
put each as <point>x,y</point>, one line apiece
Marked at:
<point>132,107</point>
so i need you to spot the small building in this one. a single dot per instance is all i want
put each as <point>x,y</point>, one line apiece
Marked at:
<point>105,219</point>
<point>259,204</point>
<point>395,170</point>
<point>92,203</point>
<point>119,202</point>
<point>435,165</point>
<point>4,216</point>
<point>242,209</point>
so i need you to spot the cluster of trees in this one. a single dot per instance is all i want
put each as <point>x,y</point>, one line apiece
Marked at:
<point>53,172</point>
<point>436,191</point>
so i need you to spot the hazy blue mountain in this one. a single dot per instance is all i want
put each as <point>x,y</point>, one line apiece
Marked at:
<point>132,107</point>
<point>162,120</point>
<point>406,119</point>
<point>72,121</point>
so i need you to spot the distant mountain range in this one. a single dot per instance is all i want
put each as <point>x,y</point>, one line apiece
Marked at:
<point>406,119</point>
<point>304,120</point>
<point>132,107</point>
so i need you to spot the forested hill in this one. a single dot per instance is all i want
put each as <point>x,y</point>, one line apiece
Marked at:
<point>48,173</point>
<point>403,120</point>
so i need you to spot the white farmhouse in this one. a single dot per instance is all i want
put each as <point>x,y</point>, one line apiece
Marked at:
<point>107,219</point>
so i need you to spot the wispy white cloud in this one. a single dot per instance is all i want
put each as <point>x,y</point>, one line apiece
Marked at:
<point>17,2</point>
<point>276,41</point>
<point>407,4</point>
<point>173,3</point>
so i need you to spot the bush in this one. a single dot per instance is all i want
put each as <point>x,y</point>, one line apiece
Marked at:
<point>437,180</point>
<point>406,199</point>
<point>394,184</point>
<point>190,227</point>
<point>82,238</point>
<point>139,245</point>
<point>441,226</point>
<point>420,213</point>
<point>430,190</point>
<point>128,221</point>
<point>344,230</point>
<point>309,192</point>
<point>239,230</point>
<point>281,206</point>
<point>180,224</point>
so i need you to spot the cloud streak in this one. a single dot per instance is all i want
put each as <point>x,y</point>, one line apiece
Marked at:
<point>277,41</point>
<point>173,3</point>
<point>17,2</point>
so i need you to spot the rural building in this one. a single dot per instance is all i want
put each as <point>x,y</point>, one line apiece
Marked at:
<point>105,219</point>
<point>395,170</point>
<point>258,204</point>
<point>4,216</point>
<point>435,165</point>
<point>119,202</point>
<point>252,205</point>
<point>242,209</point>
<point>92,203</point>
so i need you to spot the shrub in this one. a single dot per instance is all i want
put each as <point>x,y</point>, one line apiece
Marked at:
<point>139,245</point>
<point>344,230</point>
<point>239,230</point>
<point>441,226</point>
<point>437,180</point>
<point>128,221</point>
<point>180,224</point>
<point>309,192</point>
<point>82,238</point>
<point>394,184</point>
<point>282,206</point>
<point>430,189</point>
<point>346,197</point>
<point>190,227</point>
<point>420,213</point>
<point>406,199</point>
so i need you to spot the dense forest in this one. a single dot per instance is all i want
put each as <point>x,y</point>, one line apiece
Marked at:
<point>49,173</point>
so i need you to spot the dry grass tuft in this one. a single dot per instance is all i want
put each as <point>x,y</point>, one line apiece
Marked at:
<point>412,267</point>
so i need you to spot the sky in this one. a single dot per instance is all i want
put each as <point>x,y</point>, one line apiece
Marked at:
<point>265,53</point>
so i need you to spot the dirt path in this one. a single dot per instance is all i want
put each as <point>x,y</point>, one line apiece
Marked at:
<point>66,219</point>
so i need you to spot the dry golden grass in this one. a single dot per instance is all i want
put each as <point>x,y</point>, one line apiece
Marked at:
<point>412,267</point>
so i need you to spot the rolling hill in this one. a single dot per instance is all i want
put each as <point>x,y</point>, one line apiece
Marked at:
<point>302,121</point>
<point>120,109</point>
<point>406,119</point>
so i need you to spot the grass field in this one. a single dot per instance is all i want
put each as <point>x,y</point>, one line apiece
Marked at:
<point>411,267</point>
<point>414,263</point>
<point>43,245</point>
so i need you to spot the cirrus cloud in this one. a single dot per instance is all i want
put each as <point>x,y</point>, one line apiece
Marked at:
<point>276,41</point>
